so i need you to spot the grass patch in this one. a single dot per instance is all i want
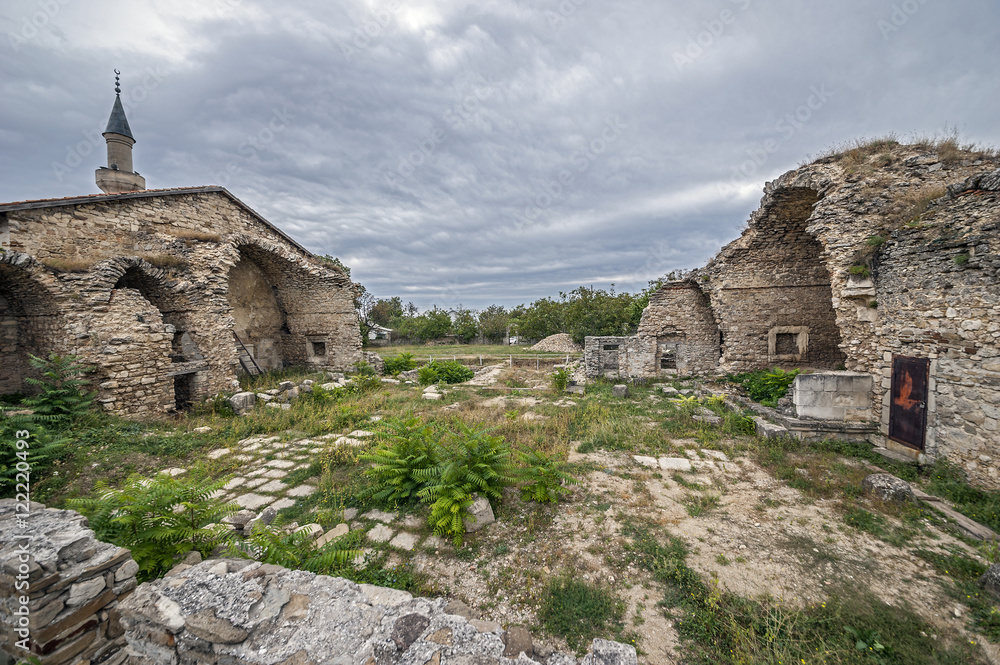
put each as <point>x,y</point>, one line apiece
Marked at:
<point>67,265</point>
<point>699,504</point>
<point>199,236</point>
<point>579,612</point>
<point>853,626</point>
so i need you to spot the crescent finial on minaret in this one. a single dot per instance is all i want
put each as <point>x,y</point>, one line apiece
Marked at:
<point>118,89</point>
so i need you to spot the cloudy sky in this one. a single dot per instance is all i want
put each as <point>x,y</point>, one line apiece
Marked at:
<point>457,152</point>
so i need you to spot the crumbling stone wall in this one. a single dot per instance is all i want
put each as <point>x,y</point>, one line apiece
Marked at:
<point>60,588</point>
<point>770,290</point>
<point>680,323</point>
<point>786,285</point>
<point>29,321</point>
<point>182,251</point>
<point>83,606</point>
<point>938,294</point>
<point>605,356</point>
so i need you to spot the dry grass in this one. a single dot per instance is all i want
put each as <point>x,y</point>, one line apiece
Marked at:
<point>166,261</point>
<point>200,236</point>
<point>67,265</point>
<point>911,204</point>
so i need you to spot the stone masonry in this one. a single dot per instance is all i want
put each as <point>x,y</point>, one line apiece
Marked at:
<point>851,262</point>
<point>82,606</point>
<point>60,588</point>
<point>150,287</point>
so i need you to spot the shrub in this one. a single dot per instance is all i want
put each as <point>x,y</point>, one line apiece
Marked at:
<point>62,397</point>
<point>411,448</point>
<point>159,520</point>
<point>404,362</point>
<point>560,380</point>
<point>444,371</point>
<point>296,550</point>
<point>763,386</point>
<point>473,462</point>
<point>543,477</point>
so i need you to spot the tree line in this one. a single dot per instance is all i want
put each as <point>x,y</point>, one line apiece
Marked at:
<point>584,311</point>
<point>581,312</point>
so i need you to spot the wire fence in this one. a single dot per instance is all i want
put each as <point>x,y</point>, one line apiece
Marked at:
<point>510,359</point>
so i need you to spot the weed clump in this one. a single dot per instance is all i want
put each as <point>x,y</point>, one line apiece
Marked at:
<point>579,612</point>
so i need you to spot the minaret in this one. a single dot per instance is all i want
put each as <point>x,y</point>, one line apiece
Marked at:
<point>118,175</point>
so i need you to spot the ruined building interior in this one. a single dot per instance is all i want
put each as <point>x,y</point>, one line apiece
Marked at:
<point>893,310</point>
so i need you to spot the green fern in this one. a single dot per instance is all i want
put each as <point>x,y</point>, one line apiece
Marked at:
<point>159,520</point>
<point>543,477</point>
<point>475,463</point>
<point>410,447</point>
<point>61,390</point>
<point>297,550</point>
<point>26,447</point>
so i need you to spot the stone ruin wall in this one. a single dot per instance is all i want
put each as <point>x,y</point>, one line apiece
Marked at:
<point>60,588</point>
<point>679,319</point>
<point>938,293</point>
<point>196,239</point>
<point>83,607</point>
<point>770,288</point>
<point>813,225</point>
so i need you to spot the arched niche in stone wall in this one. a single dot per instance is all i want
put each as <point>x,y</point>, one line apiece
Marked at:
<point>259,317</point>
<point>771,290</point>
<point>30,323</point>
<point>290,309</point>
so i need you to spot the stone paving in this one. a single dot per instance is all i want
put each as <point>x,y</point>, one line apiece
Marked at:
<point>263,483</point>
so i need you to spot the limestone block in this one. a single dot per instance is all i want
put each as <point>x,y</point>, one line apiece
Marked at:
<point>336,532</point>
<point>517,640</point>
<point>675,464</point>
<point>620,390</point>
<point>821,412</point>
<point>887,487</point>
<point>480,514</point>
<point>990,581</point>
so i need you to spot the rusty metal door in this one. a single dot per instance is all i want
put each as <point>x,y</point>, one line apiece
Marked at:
<point>908,404</point>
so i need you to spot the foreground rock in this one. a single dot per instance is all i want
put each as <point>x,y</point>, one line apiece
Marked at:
<point>236,611</point>
<point>990,581</point>
<point>887,487</point>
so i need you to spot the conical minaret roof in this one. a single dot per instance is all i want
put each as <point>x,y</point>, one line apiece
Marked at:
<point>118,123</point>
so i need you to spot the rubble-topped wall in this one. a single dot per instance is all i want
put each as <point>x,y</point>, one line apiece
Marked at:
<point>938,293</point>
<point>63,261</point>
<point>81,605</point>
<point>60,588</point>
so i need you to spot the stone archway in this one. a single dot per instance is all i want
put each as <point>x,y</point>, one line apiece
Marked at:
<point>30,323</point>
<point>260,320</point>
<point>290,309</point>
<point>771,290</point>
